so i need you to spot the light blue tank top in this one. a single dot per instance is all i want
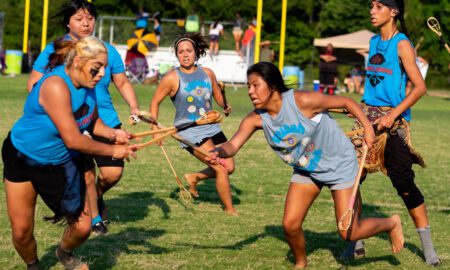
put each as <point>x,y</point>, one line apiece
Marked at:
<point>35,135</point>
<point>385,80</point>
<point>315,147</point>
<point>193,100</point>
<point>115,65</point>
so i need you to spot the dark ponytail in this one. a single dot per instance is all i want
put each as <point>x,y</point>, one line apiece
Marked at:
<point>63,48</point>
<point>401,16</point>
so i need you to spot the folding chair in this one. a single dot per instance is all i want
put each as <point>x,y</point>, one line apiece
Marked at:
<point>137,68</point>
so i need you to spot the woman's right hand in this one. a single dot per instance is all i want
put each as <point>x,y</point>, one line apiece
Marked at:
<point>124,151</point>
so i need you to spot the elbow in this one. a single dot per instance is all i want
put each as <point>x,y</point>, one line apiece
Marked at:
<point>73,142</point>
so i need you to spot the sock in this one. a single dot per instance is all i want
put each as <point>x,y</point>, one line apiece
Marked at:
<point>96,220</point>
<point>427,245</point>
<point>359,244</point>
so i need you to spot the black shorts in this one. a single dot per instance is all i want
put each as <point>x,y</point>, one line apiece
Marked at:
<point>61,186</point>
<point>104,161</point>
<point>218,138</point>
<point>213,38</point>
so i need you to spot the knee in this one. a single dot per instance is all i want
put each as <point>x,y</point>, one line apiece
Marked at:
<point>230,168</point>
<point>111,176</point>
<point>410,194</point>
<point>22,235</point>
<point>291,227</point>
<point>83,227</point>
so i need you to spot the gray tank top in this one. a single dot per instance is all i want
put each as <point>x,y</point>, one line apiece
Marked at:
<point>193,100</point>
<point>315,147</point>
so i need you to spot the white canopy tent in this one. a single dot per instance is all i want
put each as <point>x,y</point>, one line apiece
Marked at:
<point>349,47</point>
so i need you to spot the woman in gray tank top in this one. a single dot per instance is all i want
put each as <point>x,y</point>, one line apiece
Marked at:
<point>191,89</point>
<point>305,137</point>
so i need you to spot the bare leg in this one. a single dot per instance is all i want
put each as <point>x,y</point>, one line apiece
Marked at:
<point>364,228</point>
<point>419,216</point>
<point>108,178</point>
<point>74,235</point>
<point>91,191</point>
<point>298,200</point>
<point>21,202</point>
<point>219,172</point>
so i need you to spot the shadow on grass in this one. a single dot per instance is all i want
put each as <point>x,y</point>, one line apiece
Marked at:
<point>101,252</point>
<point>208,193</point>
<point>134,206</point>
<point>328,241</point>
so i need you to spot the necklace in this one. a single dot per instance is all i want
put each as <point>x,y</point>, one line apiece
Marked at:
<point>389,43</point>
<point>378,58</point>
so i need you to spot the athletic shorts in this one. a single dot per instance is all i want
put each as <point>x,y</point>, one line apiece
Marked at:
<point>60,186</point>
<point>303,179</point>
<point>213,37</point>
<point>237,30</point>
<point>218,138</point>
<point>104,161</point>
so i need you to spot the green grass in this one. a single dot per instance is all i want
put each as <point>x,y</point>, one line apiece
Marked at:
<point>151,228</point>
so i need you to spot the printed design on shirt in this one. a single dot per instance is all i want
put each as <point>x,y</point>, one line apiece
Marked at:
<point>288,159</point>
<point>287,133</point>
<point>310,160</point>
<point>375,79</point>
<point>310,147</point>
<point>198,98</point>
<point>84,115</point>
<point>377,59</point>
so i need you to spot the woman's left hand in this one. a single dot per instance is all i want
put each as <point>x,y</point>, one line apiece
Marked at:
<point>122,136</point>
<point>227,110</point>
<point>384,122</point>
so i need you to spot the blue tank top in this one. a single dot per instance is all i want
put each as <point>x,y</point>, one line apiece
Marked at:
<point>385,80</point>
<point>35,135</point>
<point>193,100</point>
<point>315,147</point>
<point>115,65</point>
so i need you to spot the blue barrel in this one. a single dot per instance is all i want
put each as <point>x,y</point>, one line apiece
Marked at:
<point>293,76</point>
<point>13,61</point>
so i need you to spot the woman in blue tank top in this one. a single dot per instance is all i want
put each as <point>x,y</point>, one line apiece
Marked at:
<point>192,89</point>
<point>78,17</point>
<point>42,156</point>
<point>392,62</point>
<point>299,130</point>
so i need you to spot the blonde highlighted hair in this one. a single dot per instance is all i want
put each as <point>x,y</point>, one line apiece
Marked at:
<point>86,48</point>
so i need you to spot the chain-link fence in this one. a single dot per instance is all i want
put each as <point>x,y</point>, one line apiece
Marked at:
<point>2,25</point>
<point>118,29</point>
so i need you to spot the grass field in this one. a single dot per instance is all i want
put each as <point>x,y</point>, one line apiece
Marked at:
<point>151,228</point>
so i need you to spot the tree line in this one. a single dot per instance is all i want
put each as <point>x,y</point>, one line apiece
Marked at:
<point>306,20</point>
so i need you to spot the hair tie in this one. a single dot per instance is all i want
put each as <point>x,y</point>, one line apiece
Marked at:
<point>184,39</point>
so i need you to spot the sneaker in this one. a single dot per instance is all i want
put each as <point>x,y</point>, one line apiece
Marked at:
<point>69,261</point>
<point>354,252</point>
<point>102,210</point>
<point>100,228</point>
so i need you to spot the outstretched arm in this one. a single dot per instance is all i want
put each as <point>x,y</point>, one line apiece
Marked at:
<point>312,103</point>
<point>248,126</point>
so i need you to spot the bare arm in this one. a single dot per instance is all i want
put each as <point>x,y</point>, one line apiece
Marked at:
<point>407,55</point>
<point>127,91</point>
<point>35,76</point>
<point>167,87</point>
<point>248,126</point>
<point>217,93</point>
<point>56,101</point>
<point>312,103</point>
